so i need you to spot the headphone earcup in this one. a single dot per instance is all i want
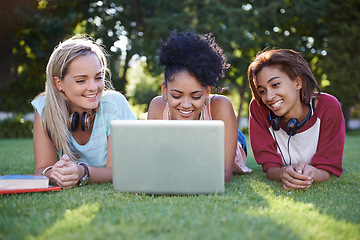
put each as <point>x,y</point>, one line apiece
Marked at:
<point>274,121</point>
<point>74,121</point>
<point>292,127</point>
<point>85,121</point>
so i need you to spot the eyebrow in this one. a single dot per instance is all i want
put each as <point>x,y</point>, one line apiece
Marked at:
<point>178,91</point>
<point>80,75</point>
<point>84,75</point>
<point>271,79</point>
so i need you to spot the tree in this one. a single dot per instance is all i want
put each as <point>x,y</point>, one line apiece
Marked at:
<point>14,16</point>
<point>33,28</point>
<point>141,24</point>
<point>342,62</point>
<point>242,28</point>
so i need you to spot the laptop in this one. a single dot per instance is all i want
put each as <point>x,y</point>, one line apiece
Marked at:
<point>164,157</point>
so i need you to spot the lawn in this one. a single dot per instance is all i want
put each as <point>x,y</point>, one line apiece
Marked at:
<point>251,208</point>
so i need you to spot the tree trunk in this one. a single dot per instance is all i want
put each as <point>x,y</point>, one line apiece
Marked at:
<point>123,79</point>
<point>8,27</point>
<point>242,89</point>
<point>241,92</point>
<point>5,61</point>
<point>346,111</point>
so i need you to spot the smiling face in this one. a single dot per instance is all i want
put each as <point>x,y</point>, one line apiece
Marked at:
<point>186,96</point>
<point>280,93</point>
<point>83,83</point>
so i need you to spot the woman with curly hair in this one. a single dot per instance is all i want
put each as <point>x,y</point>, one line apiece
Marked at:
<point>193,64</point>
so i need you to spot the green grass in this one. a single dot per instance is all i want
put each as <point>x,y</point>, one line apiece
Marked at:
<point>251,208</point>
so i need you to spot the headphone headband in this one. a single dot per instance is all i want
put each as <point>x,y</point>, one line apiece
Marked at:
<point>303,122</point>
<point>292,126</point>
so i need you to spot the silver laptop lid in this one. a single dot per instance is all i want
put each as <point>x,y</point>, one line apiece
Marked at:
<point>168,157</point>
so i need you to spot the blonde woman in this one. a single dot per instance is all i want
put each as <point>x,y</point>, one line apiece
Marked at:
<point>72,138</point>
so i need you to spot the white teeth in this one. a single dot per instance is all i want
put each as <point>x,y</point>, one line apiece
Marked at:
<point>91,96</point>
<point>185,112</point>
<point>277,104</point>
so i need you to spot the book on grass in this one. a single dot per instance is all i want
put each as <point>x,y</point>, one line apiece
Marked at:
<point>23,182</point>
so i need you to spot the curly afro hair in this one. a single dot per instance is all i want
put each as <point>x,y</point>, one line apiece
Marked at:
<point>195,53</point>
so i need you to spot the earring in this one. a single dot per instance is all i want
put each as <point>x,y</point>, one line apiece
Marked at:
<point>206,101</point>
<point>164,97</point>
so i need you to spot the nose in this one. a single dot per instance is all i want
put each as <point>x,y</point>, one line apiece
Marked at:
<point>92,85</point>
<point>186,103</point>
<point>270,95</point>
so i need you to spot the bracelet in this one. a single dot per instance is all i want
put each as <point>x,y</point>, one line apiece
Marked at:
<point>45,170</point>
<point>83,181</point>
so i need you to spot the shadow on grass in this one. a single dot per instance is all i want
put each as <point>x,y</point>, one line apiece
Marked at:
<point>252,207</point>
<point>338,198</point>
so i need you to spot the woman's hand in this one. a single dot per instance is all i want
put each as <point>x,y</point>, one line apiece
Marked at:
<point>300,176</point>
<point>297,177</point>
<point>66,173</point>
<point>313,173</point>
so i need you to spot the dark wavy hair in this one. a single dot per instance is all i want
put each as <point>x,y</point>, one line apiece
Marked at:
<point>289,62</point>
<point>195,53</point>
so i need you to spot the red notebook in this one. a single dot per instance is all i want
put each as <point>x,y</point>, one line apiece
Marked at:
<point>26,190</point>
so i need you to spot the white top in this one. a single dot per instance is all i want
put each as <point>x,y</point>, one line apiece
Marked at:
<point>113,106</point>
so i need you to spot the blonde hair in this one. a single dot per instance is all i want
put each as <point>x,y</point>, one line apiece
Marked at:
<point>56,111</point>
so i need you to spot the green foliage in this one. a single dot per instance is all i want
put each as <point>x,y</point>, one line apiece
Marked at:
<point>325,32</point>
<point>245,130</point>
<point>353,133</point>
<point>143,87</point>
<point>145,92</point>
<point>355,111</point>
<point>343,55</point>
<point>39,27</point>
<point>242,28</point>
<point>252,207</point>
<point>16,128</point>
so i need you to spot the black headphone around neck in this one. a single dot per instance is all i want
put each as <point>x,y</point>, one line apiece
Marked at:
<point>85,121</point>
<point>292,126</point>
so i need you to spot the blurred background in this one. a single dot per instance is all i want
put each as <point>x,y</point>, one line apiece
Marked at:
<point>325,32</point>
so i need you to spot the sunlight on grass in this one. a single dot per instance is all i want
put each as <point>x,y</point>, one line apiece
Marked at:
<point>72,221</point>
<point>251,208</point>
<point>303,218</point>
